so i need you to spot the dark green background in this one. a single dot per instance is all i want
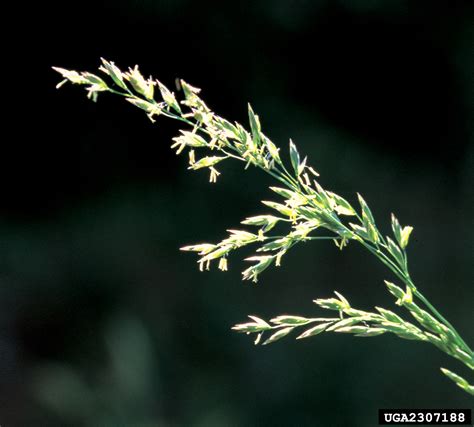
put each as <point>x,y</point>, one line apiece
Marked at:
<point>103,322</point>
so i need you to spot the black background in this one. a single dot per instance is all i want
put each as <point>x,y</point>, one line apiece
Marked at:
<point>104,322</point>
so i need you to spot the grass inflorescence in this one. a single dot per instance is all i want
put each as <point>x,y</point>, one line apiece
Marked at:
<point>309,212</point>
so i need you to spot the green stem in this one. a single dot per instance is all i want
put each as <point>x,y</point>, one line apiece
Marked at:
<point>405,278</point>
<point>443,320</point>
<point>387,261</point>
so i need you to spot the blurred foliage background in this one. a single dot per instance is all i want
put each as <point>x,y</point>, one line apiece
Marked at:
<point>103,322</point>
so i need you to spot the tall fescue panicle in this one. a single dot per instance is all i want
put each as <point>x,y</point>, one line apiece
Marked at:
<point>302,204</point>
